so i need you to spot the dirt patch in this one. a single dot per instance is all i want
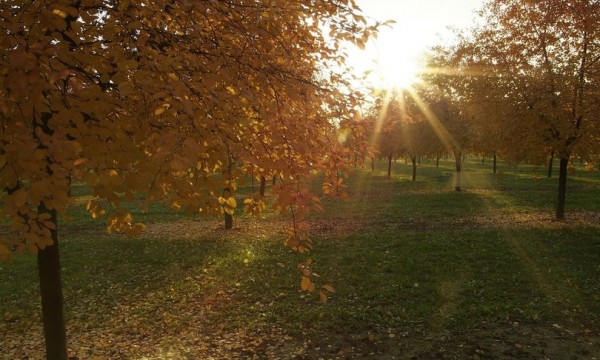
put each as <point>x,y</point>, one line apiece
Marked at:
<point>340,227</point>
<point>529,220</point>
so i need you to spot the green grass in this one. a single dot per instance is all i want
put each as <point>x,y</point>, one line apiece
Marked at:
<point>411,258</point>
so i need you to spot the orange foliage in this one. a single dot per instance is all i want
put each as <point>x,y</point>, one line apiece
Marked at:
<point>157,100</point>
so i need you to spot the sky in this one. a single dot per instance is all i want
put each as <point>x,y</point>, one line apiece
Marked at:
<point>419,24</point>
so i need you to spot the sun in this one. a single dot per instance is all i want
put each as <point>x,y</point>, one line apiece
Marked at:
<point>393,59</point>
<point>397,72</point>
<point>389,63</point>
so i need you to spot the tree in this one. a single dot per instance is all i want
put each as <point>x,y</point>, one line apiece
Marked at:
<point>549,52</point>
<point>442,104</point>
<point>153,100</point>
<point>413,128</point>
<point>383,124</point>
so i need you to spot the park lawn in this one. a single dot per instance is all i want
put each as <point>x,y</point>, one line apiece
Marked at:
<point>420,271</point>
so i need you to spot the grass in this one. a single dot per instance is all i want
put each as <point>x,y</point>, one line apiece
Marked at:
<point>420,271</point>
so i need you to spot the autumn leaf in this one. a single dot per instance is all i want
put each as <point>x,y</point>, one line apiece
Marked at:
<point>229,204</point>
<point>307,285</point>
<point>328,288</point>
<point>20,197</point>
<point>323,297</point>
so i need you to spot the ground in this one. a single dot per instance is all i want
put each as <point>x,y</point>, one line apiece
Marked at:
<point>420,273</point>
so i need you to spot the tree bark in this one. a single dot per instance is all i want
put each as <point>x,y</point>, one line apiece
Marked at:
<point>390,165</point>
<point>228,217</point>
<point>562,188</point>
<point>49,268</point>
<point>414,167</point>
<point>458,160</point>
<point>550,164</point>
<point>228,221</point>
<point>263,185</point>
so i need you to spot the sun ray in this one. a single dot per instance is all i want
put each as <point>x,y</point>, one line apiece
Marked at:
<point>438,127</point>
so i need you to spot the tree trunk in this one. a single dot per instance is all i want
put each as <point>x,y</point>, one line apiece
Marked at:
<point>228,221</point>
<point>495,162</point>
<point>274,180</point>
<point>550,164</point>
<point>483,159</point>
<point>458,160</point>
<point>228,217</point>
<point>263,185</point>
<point>390,165</point>
<point>562,188</point>
<point>437,161</point>
<point>414,167</point>
<point>49,268</point>
<point>372,164</point>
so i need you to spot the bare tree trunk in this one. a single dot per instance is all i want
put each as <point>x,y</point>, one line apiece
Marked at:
<point>562,188</point>
<point>550,164</point>
<point>274,181</point>
<point>414,167</point>
<point>437,161</point>
<point>227,216</point>
<point>390,165</point>
<point>263,185</point>
<point>228,221</point>
<point>458,160</point>
<point>49,269</point>
<point>372,164</point>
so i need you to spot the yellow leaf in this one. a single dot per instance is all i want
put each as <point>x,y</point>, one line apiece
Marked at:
<point>161,109</point>
<point>323,297</point>
<point>328,288</point>
<point>79,161</point>
<point>96,210</point>
<point>307,285</point>
<point>60,13</point>
<point>231,202</point>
